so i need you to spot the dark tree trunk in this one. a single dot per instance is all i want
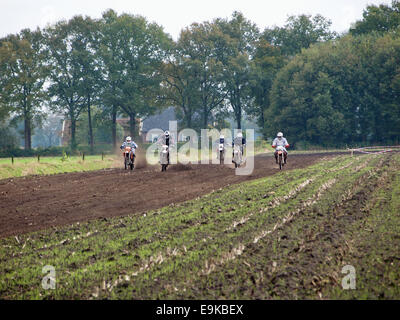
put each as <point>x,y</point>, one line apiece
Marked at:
<point>73,132</point>
<point>205,117</point>
<point>188,120</point>
<point>91,141</point>
<point>27,133</point>
<point>262,121</point>
<point>238,115</point>
<point>132,124</point>
<point>239,122</point>
<point>114,127</point>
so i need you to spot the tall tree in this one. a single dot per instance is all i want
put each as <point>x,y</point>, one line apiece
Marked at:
<point>299,32</point>
<point>340,93</point>
<point>24,71</point>
<point>75,76</point>
<point>6,59</point>
<point>302,105</point>
<point>267,61</point>
<point>178,87</point>
<point>86,33</point>
<point>236,45</point>
<point>132,62</point>
<point>380,19</point>
<point>197,44</point>
<point>110,62</point>
<point>382,62</point>
<point>67,75</point>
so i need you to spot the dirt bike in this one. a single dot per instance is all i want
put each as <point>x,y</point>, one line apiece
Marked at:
<point>280,150</point>
<point>221,153</point>
<point>164,158</point>
<point>237,156</point>
<point>129,158</point>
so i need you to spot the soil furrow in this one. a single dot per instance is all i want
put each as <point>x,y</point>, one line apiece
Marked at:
<point>39,202</point>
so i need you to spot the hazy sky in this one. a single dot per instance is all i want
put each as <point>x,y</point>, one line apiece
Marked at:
<point>174,15</point>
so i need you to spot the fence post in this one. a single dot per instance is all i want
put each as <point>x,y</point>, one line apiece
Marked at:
<point>102,156</point>
<point>38,158</point>
<point>83,156</point>
<point>12,159</point>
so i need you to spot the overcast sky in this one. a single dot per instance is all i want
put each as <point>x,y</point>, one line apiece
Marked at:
<point>174,15</point>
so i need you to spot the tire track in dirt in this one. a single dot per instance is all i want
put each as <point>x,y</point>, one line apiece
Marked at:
<point>34,203</point>
<point>320,245</point>
<point>210,266</point>
<point>237,251</point>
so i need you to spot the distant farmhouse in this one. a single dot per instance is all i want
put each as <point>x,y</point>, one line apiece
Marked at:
<point>157,121</point>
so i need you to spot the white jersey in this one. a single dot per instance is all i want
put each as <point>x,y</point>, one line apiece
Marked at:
<point>280,143</point>
<point>163,140</point>
<point>131,144</point>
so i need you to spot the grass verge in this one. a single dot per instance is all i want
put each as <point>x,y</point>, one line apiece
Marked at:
<point>53,165</point>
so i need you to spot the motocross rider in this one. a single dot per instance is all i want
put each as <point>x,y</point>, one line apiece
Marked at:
<point>129,143</point>
<point>221,140</point>
<point>165,139</point>
<point>239,141</point>
<point>280,141</point>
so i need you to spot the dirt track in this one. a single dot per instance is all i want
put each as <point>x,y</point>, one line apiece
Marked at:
<point>39,202</point>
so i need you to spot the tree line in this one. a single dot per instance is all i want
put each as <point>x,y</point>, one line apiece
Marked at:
<point>345,91</point>
<point>303,79</point>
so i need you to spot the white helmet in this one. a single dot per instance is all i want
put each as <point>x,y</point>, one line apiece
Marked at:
<point>280,135</point>
<point>222,136</point>
<point>240,135</point>
<point>128,139</point>
<point>166,133</point>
